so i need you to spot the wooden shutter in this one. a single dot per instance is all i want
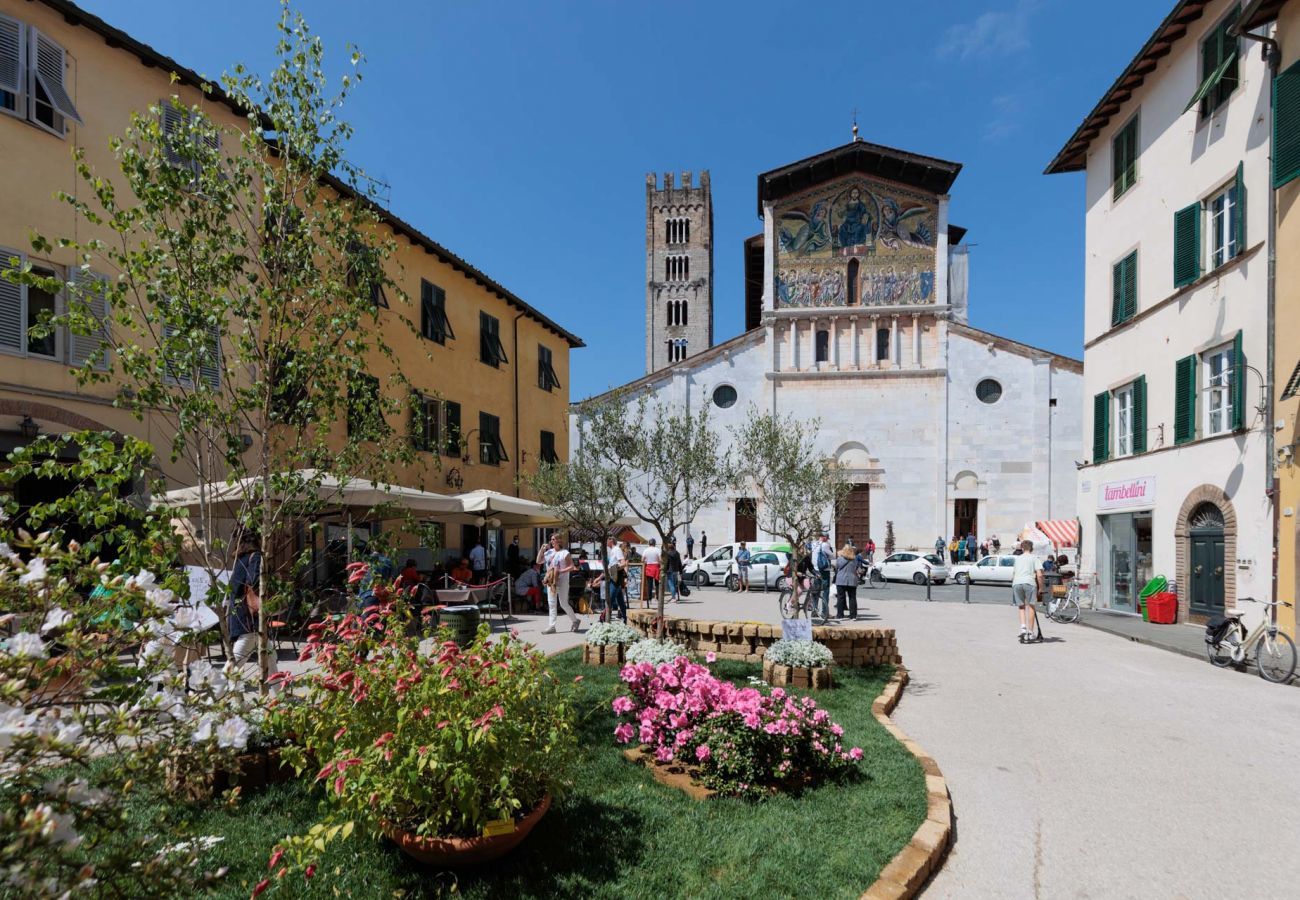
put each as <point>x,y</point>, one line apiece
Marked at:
<point>1130,285</point>
<point>49,72</point>
<point>93,291</point>
<point>451,415</point>
<point>1140,414</point>
<point>1123,304</point>
<point>415,421</point>
<point>1187,245</point>
<point>210,367</point>
<point>13,57</point>
<point>13,304</point>
<point>1286,125</point>
<point>1101,427</point>
<point>1185,399</point>
<point>1238,384</point>
<point>1117,292</point>
<point>1239,210</point>
<point>174,125</point>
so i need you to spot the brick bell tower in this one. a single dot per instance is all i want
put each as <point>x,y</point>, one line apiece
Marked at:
<point>679,269</point>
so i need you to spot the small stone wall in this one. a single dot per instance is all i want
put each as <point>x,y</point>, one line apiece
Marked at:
<point>604,654</point>
<point>818,677</point>
<point>748,642</point>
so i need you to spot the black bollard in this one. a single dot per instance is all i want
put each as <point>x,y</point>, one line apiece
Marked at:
<point>968,589</point>
<point>927,585</point>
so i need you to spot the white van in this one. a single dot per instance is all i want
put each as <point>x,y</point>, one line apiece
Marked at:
<point>712,569</point>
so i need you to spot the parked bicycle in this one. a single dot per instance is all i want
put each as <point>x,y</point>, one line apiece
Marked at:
<point>1227,643</point>
<point>1064,609</point>
<point>809,590</point>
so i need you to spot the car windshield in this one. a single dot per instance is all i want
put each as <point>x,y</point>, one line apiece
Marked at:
<point>719,555</point>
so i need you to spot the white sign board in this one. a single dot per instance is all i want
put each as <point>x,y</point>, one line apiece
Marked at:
<point>1140,491</point>
<point>796,629</point>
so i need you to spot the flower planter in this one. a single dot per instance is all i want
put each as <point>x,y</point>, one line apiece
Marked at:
<point>454,852</point>
<point>815,677</point>
<point>604,654</point>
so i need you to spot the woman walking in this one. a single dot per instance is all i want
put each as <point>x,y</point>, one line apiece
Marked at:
<point>558,563</point>
<point>846,582</point>
<point>652,558</point>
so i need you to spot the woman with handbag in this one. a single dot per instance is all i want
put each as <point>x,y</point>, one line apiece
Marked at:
<point>559,563</point>
<point>846,582</point>
<point>244,604</point>
<point>652,559</point>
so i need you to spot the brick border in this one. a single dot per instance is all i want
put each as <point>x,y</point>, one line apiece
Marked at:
<point>912,866</point>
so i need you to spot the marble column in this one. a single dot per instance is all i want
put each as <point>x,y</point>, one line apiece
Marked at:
<point>916,340</point>
<point>835,343</point>
<point>857,356</point>
<point>895,353</point>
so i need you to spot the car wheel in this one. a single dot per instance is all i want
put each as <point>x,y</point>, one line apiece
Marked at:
<point>918,578</point>
<point>701,578</point>
<point>962,578</point>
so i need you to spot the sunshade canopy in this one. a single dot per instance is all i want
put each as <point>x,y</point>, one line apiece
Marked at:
<point>356,494</point>
<point>1061,532</point>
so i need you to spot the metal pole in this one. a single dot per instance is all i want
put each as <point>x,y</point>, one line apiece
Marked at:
<point>968,590</point>
<point>927,584</point>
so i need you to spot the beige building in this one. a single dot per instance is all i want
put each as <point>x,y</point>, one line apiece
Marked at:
<point>70,80</point>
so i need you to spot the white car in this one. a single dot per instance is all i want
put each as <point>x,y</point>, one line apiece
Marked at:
<point>713,569</point>
<point>908,565</point>
<point>765,567</point>
<point>992,569</point>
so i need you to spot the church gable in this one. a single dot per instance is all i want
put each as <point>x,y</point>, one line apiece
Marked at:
<point>856,241</point>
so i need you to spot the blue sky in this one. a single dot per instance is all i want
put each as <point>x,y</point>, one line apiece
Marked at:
<point>519,134</point>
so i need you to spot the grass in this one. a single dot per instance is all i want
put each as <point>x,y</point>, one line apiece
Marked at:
<point>618,833</point>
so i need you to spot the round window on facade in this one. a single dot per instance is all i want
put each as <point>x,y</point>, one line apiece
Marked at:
<point>724,395</point>
<point>989,391</point>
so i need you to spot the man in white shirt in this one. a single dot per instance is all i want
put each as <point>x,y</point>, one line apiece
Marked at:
<point>478,563</point>
<point>1026,585</point>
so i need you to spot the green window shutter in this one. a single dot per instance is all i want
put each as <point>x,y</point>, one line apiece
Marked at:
<point>1124,153</point>
<point>1286,125</point>
<point>1185,399</point>
<point>1140,415</point>
<point>1239,210</point>
<point>1101,427</point>
<point>1117,293</point>
<point>1123,277</point>
<point>1238,384</point>
<point>1130,285</point>
<point>1187,245</point>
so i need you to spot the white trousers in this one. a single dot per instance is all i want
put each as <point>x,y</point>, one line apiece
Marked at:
<point>245,648</point>
<point>559,596</point>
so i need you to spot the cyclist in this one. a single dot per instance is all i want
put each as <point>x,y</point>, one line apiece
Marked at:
<point>1026,585</point>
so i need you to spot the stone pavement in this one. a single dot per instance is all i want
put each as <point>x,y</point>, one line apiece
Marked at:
<point>1189,640</point>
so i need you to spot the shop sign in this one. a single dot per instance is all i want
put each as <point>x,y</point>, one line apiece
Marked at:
<point>1139,491</point>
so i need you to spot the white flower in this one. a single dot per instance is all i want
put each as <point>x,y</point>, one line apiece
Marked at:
<point>141,582</point>
<point>8,552</point>
<point>69,732</point>
<point>233,732</point>
<point>26,645</point>
<point>186,618</point>
<point>36,572</point>
<point>57,827</point>
<point>155,648</point>
<point>55,618</point>
<point>14,721</point>
<point>162,599</point>
<point>203,731</point>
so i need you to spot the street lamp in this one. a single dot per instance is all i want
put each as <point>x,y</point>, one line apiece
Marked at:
<point>29,428</point>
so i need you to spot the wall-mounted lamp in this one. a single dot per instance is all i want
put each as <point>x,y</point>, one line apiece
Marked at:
<point>468,458</point>
<point>29,428</point>
<point>454,479</point>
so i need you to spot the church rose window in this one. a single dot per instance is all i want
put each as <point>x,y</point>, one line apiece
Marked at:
<point>724,395</point>
<point>989,391</point>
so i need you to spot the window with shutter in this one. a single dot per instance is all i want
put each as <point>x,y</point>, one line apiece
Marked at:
<point>1140,415</point>
<point>1219,55</point>
<point>13,66</point>
<point>548,448</point>
<point>210,365</point>
<point>13,303</point>
<point>96,341</point>
<point>365,418</point>
<point>433,313</point>
<point>491,451</point>
<point>1185,400</point>
<point>1239,224</point>
<point>1101,427</point>
<point>1124,155</point>
<point>426,423</point>
<point>1187,245</point>
<point>1223,219</point>
<point>1124,289</point>
<point>547,380</point>
<point>42,305</point>
<point>451,428</point>
<point>1237,418</point>
<point>1286,125</point>
<point>1220,390</point>
<point>490,349</point>
<point>1124,421</point>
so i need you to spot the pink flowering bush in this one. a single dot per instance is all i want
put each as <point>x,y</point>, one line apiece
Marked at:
<point>743,741</point>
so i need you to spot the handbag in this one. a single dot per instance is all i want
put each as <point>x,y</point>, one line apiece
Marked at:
<point>683,588</point>
<point>552,578</point>
<point>252,600</point>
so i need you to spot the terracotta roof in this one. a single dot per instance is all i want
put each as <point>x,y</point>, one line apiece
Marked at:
<point>1073,156</point>
<point>926,173</point>
<point>118,39</point>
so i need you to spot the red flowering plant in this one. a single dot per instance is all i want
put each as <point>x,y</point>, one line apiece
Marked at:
<point>423,736</point>
<point>744,742</point>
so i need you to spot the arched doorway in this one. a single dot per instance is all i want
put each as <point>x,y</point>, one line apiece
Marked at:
<point>1205,537</point>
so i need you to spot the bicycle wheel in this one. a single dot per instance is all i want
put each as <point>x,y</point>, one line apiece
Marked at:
<point>1065,611</point>
<point>877,578</point>
<point>1275,657</point>
<point>785,603</point>
<point>1220,654</point>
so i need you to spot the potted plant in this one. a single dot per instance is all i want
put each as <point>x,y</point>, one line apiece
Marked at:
<point>453,753</point>
<point>607,643</point>
<point>798,663</point>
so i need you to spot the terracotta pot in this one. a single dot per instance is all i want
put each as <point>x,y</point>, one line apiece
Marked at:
<point>455,852</point>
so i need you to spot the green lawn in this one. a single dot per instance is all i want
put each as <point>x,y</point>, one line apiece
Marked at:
<point>618,833</point>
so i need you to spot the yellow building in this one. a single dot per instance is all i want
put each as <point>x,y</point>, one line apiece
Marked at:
<point>68,79</point>
<point>1275,27</point>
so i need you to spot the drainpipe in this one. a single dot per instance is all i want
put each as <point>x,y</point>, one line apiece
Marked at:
<point>1272,56</point>
<point>518,471</point>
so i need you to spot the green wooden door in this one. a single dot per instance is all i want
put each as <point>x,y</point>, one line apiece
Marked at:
<point>1207,575</point>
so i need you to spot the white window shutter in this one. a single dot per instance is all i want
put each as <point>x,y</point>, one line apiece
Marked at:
<point>93,292</point>
<point>12,58</point>
<point>210,368</point>
<point>49,71</point>
<point>13,313</point>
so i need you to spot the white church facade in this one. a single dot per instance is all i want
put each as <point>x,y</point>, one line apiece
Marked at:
<point>856,316</point>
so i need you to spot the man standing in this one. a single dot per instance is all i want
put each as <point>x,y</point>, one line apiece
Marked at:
<point>512,557</point>
<point>478,562</point>
<point>743,558</point>
<point>673,566</point>
<point>690,547</point>
<point>970,546</point>
<point>1026,585</point>
<point>614,562</point>
<point>823,554</point>
<point>704,543</point>
<point>939,544</point>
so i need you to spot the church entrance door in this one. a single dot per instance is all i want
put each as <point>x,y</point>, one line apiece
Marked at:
<point>746,519</point>
<point>964,516</point>
<point>853,516</point>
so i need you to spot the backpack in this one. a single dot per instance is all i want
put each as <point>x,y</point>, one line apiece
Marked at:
<point>1216,628</point>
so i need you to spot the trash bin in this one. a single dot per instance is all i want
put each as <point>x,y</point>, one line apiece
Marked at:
<point>463,622</point>
<point>1163,607</point>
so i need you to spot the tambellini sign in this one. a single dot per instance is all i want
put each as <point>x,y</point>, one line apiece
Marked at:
<point>1132,492</point>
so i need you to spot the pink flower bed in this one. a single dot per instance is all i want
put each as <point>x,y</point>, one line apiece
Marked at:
<point>743,741</point>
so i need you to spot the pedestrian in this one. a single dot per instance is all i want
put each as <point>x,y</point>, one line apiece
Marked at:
<point>673,568</point>
<point>652,559</point>
<point>970,546</point>
<point>528,586</point>
<point>846,582</point>
<point>952,548</point>
<point>871,551</point>
<point>616,567</point>
<point>558,564</point>
<point>1026,587</point>
<point>243,603</point>
<point>512,557</point>
<point>939,545</point>
<point>743,557</point>
<point>690,547</point>
<point>984,549</point>
<point>997,544</point>
<point>823,557</point>
<point>478,562</point>
<point>961,549</point>
<point>704,543</point>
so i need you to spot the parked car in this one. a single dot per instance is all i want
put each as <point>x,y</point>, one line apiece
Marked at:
<point>911,566</point>
<point>992,569</point>
<point>765,568</point>
<point>712,569</point>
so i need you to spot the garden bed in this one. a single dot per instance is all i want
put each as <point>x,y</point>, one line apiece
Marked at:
<point>619,833</point>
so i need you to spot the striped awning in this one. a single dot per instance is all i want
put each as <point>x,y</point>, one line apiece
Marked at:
<point>1061,532</point>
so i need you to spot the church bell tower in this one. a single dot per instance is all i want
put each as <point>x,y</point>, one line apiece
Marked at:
<point>679,269</point>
